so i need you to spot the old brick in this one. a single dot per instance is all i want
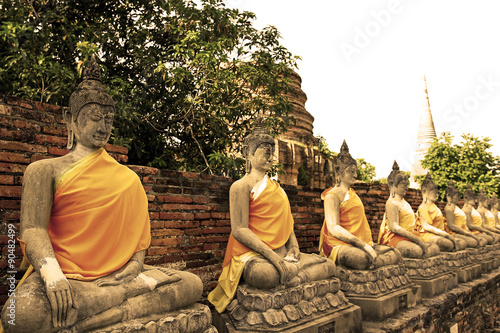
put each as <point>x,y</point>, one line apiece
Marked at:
<point>56,130</point>
<point>181,224</point>
<point>10,204</point>
<point>14,158</point>
<point>174,199</point>
<point>167,232</point>
<point>201,216</point>
<point>55,140</point>
<point>166,241</point>
<point>176,216</point>
<point>116,149</point>
<point>219,230</point>
<point>58,151</point>
<point>14,145</point>
<point>10,191</point>
<point>7,179</point>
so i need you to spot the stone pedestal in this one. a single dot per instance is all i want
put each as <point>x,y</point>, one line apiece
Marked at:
<point>431,274</point>
<point>195,319</point>
<point>486,256</point>
<point>462,264</point>
<point>311,307</point>
<point>380,292</point>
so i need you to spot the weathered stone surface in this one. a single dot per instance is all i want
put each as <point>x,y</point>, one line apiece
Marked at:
<point>309,291</point>
<point>274,317</point>
<point>305,308</point>
<point>254,318</point>
<point>291,312</point>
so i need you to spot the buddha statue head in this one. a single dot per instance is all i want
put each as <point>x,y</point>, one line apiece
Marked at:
<point>397,181</point>
<point>483,199</point>
<point>345,166</point>
<point>258,136</point>
<point>470,195</point>
<point>90,91</point>
<point>494,202</point>
<point>429,189</point>
<point>452,193</point>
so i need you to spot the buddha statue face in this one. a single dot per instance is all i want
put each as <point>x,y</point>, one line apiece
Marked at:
<point>431,195</point>
<point>262,158</point>
<point>93,124</point>
<point>349,175</point>
<point>453,198</point>
<point>401,187</point>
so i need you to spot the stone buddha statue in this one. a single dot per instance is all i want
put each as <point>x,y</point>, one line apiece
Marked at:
<point>494,204</point>
<point>473,218</point>
<point>487,218</point>
<point>85,229</point>
<point>262,249</point>
<point>456,219</point>
<point>346,237</point>
<point>398,228</point>
<point>431,220</point>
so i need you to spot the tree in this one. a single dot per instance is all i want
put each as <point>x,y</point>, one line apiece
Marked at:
<point>366,171</point>
<point>467,162</point>
<point>188,77</point>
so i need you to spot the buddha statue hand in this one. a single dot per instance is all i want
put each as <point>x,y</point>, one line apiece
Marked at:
<point>424,246</point>
<point>125,274</point>
<point>63,304</point>
<point>293,254</point>
<point>372,255</point>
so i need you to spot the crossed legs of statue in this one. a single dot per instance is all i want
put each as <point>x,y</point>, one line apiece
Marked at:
<point>354,257</point>
<point>445,245</point>
<point>260,273</point>
<point>153,291</point>
<point>471,242</point>
<point>409,249</point>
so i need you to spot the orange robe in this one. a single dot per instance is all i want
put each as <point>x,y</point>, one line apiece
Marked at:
<point>99,217</point>
<point>460,220</point>
<point>406,221</point>
<point>352,218</point>
<point>270,219</point>
<point>490,219</point>
<point>433,215</point>
<point>476,220</point>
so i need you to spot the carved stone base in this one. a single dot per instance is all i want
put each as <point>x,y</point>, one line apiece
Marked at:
<point>437,285</point>
<point>195,319</point>
<point>347,319</point>
<point>289,309</point>
<point>468,273</point>
<point>384,306</point>
<point>431,274</point>
<point>375,282</point>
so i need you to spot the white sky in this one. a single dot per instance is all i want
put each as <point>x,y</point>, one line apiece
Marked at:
<point>368,89</point>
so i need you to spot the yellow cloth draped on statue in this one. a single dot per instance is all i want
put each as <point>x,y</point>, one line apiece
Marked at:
<point>99,217</point>
<point>490,219</point>
<point>460,220</point>
<point>270,219</point>
<point>434,217</point>
<point>352,218</point>
<point>476,220</point>
<point>406,221</point>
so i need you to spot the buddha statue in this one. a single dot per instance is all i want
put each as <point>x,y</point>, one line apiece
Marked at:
<point>473,218</point>
<point>456,219</point>
<point>487,218</point>
<point>262,249</point>
<point>494,204</point>
<point>85,229</point>
<point>398,228</point>
<point>431,220</point>
<point>346,237</point>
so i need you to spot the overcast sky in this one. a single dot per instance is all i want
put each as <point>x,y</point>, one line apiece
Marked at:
<point>363,64</point>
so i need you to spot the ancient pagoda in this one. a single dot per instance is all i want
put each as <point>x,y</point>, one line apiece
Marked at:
<point>426,133</point>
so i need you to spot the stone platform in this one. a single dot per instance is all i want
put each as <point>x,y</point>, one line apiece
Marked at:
<point>462,264</point>
<point>486,256</point>
<point>471,307</point>
<point>311,307</point>
<point>431,274</point>
<point>195,319</point>
<point>380,292</point>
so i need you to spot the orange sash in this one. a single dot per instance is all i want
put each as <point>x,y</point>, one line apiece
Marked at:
<point>406,221</point>
<point>99,217</point>
<point>352,219</point>
<point>270,219</point>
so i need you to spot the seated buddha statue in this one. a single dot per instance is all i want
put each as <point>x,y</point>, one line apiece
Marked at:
<point>398,228</point>
<point>487,217</point>
<point>494,204</point>
<point>346,237</point>
<point>473,218</point>
<point>456,220</point>
<point>262,248</point>
<point>85,229</point>
<point>431,220</point>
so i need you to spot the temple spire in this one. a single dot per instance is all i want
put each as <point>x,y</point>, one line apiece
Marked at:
<point>426,132</point>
